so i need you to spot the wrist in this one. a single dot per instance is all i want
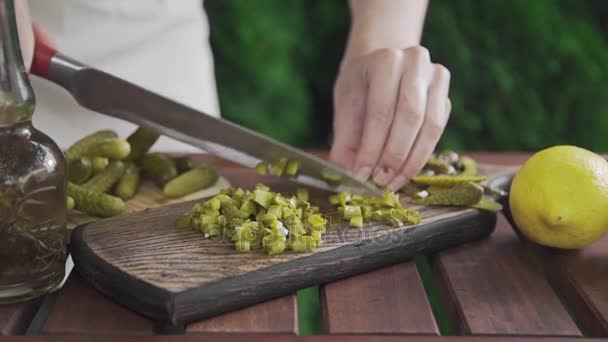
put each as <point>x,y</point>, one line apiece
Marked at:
<point>363,40</point>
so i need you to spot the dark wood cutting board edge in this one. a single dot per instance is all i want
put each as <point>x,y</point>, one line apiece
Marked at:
<point>177,309</point>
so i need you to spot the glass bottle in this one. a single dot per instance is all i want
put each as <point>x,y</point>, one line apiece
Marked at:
<point>33,208</point>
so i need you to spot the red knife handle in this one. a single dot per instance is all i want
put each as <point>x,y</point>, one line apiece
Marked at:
<point>42,59</point>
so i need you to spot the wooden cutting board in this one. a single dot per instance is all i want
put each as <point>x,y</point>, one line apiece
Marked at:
<point>175,276</point>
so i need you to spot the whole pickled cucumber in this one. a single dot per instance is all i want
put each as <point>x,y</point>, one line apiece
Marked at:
<point>141,140</point>
<point>183,164</point>
<point>99,164</point>
<point>129,182</point>
<point>465,194</point>
<point>443,180</point>
<point>80,170</point>
<point>94,203</point>
<point>449,156</point>
<point>102,182</point>
<point>439,166</point>
<point>115,148</point>
<point>158,167</point>
<point>196,179</point>
<point>78,149</point>
<point>487,203</point>
<point>70,203</point>
<point>469,166</point>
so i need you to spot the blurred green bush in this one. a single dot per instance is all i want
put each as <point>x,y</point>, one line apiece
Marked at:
<point>525,74</point>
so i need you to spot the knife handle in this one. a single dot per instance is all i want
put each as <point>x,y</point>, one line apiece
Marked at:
<point>42,59</point>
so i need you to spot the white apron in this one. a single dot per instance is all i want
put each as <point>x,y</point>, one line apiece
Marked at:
<point>162,45</point>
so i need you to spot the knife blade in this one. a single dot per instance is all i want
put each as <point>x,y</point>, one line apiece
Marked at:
<point>110,95</point>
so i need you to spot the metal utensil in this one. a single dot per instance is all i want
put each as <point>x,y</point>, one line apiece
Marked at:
<point>109,95</point>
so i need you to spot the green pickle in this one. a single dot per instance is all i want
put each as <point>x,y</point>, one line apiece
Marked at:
<point>140,141</point>
<point>158,167</point>
<point>261,168</point>
<point>115,148</point>
<point>488,204</point>
<point>356,209</point>
<point>80,147</point>
<point>99,164</point>
<point>94,203</point>
<point>292,168</point>
<point>183,164</point>
<point>104,181</point>
<point>443,180</point>
<point>278,166</point>
<point>258,219</point>
<point>464,194</point>
<point>196,179</point>
<point>469,166</point>
<point>70,203</point>
<point>331,177</point>
<point>80,170</point>
<point>129,182</point>
<point>439,166</point>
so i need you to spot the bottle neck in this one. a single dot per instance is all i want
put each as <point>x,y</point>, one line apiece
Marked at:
<point>17,100</point>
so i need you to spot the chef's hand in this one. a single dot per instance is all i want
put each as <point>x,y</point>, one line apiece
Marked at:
<point>391,108</point>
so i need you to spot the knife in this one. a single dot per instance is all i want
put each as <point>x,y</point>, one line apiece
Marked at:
<point>110,95</point>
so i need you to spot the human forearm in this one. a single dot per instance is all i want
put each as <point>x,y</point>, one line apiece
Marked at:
<point>379,24</point>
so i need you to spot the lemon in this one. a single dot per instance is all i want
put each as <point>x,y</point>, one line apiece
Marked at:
<point>559,198</point>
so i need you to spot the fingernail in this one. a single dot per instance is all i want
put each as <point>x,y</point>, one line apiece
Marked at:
<point>397,183</point>
<point>363,173</point>
<point>383,175</point>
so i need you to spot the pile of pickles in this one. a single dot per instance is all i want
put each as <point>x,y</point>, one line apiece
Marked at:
<point>259,220</point>
<point>449,179</point>
<point>105,170</point>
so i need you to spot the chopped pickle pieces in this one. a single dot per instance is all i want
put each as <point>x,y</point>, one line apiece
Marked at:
<point>278,166</point>
<point>355,209</point>
<point>261,168</point>
<point>258,220</point>
<point>292,168</point>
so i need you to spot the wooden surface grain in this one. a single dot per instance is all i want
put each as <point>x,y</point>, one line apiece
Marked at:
<point>15,318</point>
<point>581,276</point>
<point>274,316</point>
<point>493,287</point>
<point>391,300</point>
<point>80,309</point>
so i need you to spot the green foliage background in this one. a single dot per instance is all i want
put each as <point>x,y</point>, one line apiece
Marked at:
<point>526,74</point>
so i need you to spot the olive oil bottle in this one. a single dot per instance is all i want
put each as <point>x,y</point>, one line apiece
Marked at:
<point>33,200</point>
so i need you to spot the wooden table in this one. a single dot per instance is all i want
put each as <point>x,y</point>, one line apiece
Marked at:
<point>498,289</point>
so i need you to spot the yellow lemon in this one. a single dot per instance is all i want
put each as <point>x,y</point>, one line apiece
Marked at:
<point>559,198</point>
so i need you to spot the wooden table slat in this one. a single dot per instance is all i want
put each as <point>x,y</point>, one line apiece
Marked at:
<point>581,276</point>
<point>391,300</point>
<point>274,316</point>
<point>15,318</point>
<point>493,287</point>
<point>292,338</point>
<point>80,309</point>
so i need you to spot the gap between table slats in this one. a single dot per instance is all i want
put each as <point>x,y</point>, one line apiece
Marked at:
<point>581,277</point>
<point>80,309</point>
<point>492,287</point>
<point>15,318</point>
<point>391,300</point>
